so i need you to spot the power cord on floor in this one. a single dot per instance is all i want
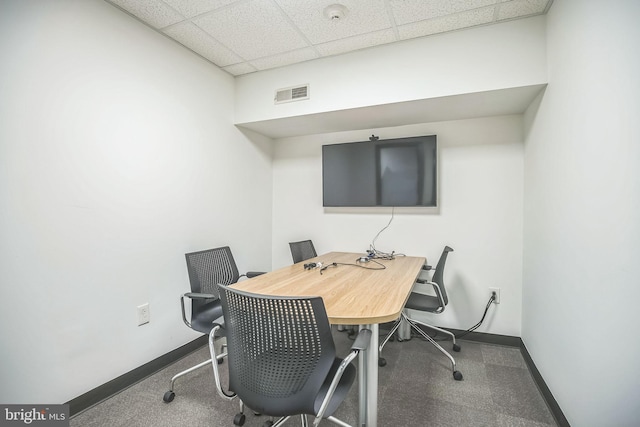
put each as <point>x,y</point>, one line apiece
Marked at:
<point>471,329</point>
<point>477,325</point>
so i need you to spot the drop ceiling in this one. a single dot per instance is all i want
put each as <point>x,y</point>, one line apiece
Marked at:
<point>246,36</point>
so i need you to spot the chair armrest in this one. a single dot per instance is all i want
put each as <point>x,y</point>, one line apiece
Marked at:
<point>436,288</point>
<point>214,361</point>
<point>362,340</point>
<point>425,273</point>
<point>194,295</point>
<point>251,274</point>
<point>219,322</point>
<point>361,343</point>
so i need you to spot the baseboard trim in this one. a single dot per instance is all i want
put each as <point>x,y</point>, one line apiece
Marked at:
<point>486,338</point>
<point>115,386</point>
<point>542,385</point>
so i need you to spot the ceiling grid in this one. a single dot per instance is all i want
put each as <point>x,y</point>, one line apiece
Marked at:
<point>245,36</point>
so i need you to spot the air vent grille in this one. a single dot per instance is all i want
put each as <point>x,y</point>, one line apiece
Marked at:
<point>296,93</point>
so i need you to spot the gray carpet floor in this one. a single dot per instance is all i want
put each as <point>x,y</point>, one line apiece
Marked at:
<point>416,388</point>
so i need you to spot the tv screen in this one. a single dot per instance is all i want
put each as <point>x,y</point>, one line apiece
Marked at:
<point>390,172</point>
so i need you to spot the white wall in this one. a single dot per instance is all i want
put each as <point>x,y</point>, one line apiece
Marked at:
<point>117,156</point>
<point>480,214</point>
<point>582,204</point>
<point>506,55</point>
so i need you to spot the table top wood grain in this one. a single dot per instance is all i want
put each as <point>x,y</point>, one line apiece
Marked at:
<point>354,293</point>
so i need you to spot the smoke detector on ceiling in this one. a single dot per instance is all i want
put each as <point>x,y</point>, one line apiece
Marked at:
<point>335,12</point>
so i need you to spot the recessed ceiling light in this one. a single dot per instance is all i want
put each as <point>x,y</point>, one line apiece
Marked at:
<point>335,12</point>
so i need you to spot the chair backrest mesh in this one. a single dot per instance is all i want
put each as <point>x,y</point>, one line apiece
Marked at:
<point>438,275</point>
<point>302,251</point>
<point>280,350</point>
<point>210,267</point>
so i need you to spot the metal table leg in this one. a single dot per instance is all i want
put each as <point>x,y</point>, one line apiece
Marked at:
<point>368,380</point>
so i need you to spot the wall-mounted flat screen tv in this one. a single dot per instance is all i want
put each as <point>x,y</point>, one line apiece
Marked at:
<point>390,172</point>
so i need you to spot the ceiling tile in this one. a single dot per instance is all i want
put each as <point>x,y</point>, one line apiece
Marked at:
<point>361,17</point>
<point>191,8</point>
<point>239,69</point>
<point>244,36</point>
<point>518,8</point>
<point>202,43</point>
<point>446,23</point>
<point>252,29</point>
<point>356,42</point>
<point>154,12</point>
<point>283,59</point>
<point>407,11</point>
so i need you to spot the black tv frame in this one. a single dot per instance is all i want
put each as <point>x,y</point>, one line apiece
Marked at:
<point>339,174</point>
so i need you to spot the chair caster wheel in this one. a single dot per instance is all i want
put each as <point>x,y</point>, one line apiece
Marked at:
<point>382,362</point>
<point>239,419</point>
<point>456,347</point>
<point>168,396</point>
<point>220,361</point>
<point>457,375</point>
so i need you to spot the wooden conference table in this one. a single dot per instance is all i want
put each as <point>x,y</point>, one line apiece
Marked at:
<point>352,295</point>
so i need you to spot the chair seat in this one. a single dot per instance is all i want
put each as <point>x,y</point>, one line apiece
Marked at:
<point>203,320</point>
<point>423,302</point>
<point>285,406</point>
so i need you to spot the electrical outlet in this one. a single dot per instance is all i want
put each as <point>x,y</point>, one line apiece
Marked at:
<point>143,314</point>
<point>497,292</point>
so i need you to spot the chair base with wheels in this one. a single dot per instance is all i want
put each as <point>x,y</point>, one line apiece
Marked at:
<point>170,394</point>
<point>457,375</point>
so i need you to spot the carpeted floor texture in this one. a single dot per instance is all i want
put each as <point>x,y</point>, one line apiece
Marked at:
<point>416,388</point>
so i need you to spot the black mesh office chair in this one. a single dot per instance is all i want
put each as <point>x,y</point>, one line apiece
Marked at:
<point>431,304</point>
<point>282,358</point>
<point>206,269</point>
<point>302,250</point>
